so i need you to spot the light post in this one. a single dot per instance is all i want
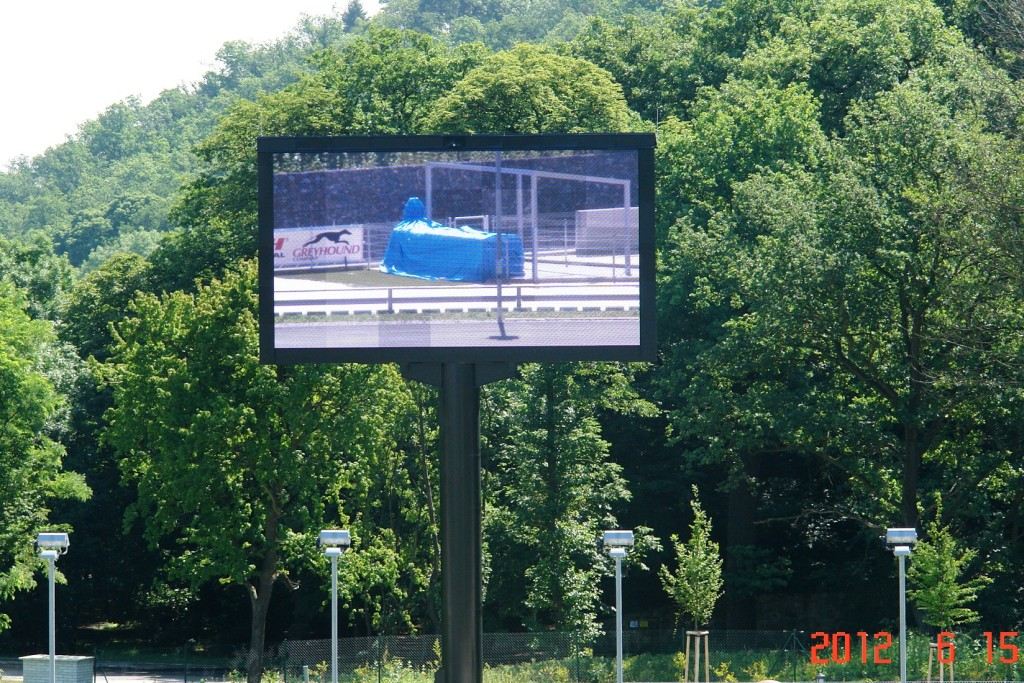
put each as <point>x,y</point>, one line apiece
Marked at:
<point>616,542</point>
<point>902,540</point>
<point>51,545</point>
<point>334,543</point>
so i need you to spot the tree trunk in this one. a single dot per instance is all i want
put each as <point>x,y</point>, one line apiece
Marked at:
<point>911,472</point>
<point>740,610</point>
<point>913,435</point>
<point>259,598</point>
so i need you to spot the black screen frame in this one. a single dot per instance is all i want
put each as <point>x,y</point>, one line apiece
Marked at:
<point>642,143</point>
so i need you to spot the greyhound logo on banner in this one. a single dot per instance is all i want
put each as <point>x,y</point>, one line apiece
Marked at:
<point>318,247</point>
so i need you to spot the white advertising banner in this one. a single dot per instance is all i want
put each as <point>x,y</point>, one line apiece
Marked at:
<point>335,245</point>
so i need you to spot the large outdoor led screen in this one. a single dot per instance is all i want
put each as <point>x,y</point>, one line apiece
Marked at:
<point>456,249</point>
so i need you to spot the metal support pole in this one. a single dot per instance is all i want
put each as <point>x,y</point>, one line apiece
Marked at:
<point>519,205</point>
<point>429,187</point>
<point>625,227</point>
<point>334,619</point>
<point>52,561</point>
<point>535,247</point>
<point>461,623</point>
<point>499,249</point>
<point>618,620</point>
<point>903,619</point>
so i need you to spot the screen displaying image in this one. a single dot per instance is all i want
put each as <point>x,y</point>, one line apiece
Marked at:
<point>412,249</point>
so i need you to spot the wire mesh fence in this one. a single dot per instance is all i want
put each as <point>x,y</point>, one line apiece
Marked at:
<point>649,655</point>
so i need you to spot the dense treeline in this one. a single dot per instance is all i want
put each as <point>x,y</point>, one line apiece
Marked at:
<point>840,298</point>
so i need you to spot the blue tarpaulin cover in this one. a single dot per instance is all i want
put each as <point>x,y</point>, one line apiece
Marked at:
<point>421,248</point>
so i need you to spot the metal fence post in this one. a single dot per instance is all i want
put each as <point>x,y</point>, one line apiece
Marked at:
<point>577,648</point>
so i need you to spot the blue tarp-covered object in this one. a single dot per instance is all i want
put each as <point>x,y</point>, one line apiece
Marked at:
<point>421,248</point>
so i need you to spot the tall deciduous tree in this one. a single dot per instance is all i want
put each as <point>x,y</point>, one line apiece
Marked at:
<point>31,476</point>
<point>551,490</point>
<point>531,89</point>
<point>863,314</point>
<point>237,464</point>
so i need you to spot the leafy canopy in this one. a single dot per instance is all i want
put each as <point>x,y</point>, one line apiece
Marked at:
<point>937,571</point>
<point>696,584</point>
<point>31,475</point>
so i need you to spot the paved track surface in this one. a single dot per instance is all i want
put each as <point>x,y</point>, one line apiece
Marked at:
<point>459,333</point>
<point>335,299</point>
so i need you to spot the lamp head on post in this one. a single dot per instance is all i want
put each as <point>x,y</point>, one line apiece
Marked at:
<point>52,544</point>
<point>334,541</point>
<point>901,537</point>
<point>617,539</point>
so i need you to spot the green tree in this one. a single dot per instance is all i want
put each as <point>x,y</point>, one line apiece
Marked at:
<point>551,491</point>
<point>31,474</point>
<point>779,416</point>
<point>139,242</point>
<point>862,47</point>
<point>31,265</point>
<point>734,131</point>
<point>99,300</point>
<point>696,584</point>
<point>353,15</point>
<point>859,315</point>
<point>86,231</point>
<point>936,574</point>
<point>483,10</point>
<point>237,463</point>
<point>530,89</point>
<point>648,56</point>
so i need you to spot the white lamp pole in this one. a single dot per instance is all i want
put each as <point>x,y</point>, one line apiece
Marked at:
<point>902,540</point>
<point>618,554</point>
<point>902,552</point>
<point>335,542</point>
<point>51,560</point>
<point>51,545</point>
<point>615,542</point>
<point>334,554</point>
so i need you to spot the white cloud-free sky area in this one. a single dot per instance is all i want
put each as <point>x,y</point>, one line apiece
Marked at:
<point>62,62</point>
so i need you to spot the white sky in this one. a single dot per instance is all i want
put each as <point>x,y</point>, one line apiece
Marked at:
<point>62,62</point>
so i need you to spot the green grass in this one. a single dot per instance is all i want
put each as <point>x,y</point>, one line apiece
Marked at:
<point>727,666</point>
